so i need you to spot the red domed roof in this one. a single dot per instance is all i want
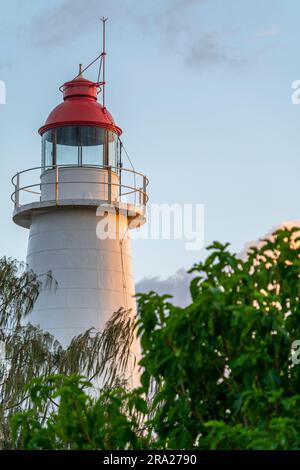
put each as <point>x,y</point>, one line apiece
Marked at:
<point>80,108</point>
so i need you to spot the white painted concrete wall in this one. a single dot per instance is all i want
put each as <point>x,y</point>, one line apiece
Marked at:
<point>79,183</point>
<point>94,276</point>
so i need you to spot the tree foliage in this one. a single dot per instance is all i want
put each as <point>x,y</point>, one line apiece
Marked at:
<point>217,374</point>
<point>110,421</point>
<point>28,353</point>
<point>223,368</point>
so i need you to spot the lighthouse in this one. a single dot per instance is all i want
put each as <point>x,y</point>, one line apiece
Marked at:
<point>81,185</point>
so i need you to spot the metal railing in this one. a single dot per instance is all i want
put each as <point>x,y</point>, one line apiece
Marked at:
<point>131,185</point>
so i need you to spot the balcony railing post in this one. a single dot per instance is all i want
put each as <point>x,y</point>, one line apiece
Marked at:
<point>120,182</point>
<point>17,193</point>
<point>56,185</point>
<point>144,190</point>
<point>109,185</point>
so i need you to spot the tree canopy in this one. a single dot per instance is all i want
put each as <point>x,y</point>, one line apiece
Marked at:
<point>28,353</point>
<point>217,374</point>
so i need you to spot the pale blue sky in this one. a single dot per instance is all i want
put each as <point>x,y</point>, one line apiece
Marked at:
<point>201,89</point>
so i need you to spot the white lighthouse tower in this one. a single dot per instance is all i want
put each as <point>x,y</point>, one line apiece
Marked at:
<point>63,203</point>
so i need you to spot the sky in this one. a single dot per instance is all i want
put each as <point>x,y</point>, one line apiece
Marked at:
<point>202,91</point>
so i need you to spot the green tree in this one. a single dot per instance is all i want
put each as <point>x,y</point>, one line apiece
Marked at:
<point>110,421</point>
<point>222,366</point>
<point>217,374</point>
<point>28,353</point>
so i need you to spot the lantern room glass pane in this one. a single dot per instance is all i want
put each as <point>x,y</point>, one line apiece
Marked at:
<point>113,150</point>
<point>92,142</point>
<point>47,149</point>
<point>67,139</point>
<point>80,145</point>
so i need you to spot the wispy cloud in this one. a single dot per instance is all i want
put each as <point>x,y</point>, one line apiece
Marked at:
<point>57,26</point>
<point>208,50</point>
<point>5,64</point>
<point>180,26</point>
<point>176,24</point>
<point>176,285</point>
<point>268,236</point>
<point>268,32</point>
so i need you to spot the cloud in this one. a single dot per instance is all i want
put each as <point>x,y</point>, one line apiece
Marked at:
<point>176,24</point>
<point>180,29</point>
<point>273,31</point>
<point>209,51</point>
<point>4,64</point>
<point>259,243</point>
<point>176,285</point>
<point>56,27</point>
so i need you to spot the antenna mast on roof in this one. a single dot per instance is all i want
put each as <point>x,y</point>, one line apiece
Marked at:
<point>103,54</point>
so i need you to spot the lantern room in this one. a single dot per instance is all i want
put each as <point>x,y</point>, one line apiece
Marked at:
<point>80,131</point>
<point>81,160</point>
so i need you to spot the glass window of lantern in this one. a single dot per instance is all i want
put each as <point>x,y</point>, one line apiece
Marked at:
<point>80,145</point>
<point>47,149</point>
<point>98,146</point>
<point>113,149</point>
<point>67,149</point>
<point>92,143</point>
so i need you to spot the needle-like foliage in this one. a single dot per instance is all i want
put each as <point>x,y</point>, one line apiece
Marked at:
<point>28,353</point>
